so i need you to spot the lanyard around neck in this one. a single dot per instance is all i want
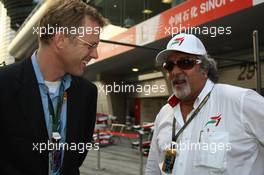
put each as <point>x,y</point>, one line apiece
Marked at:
<point>175,137</point>
<point>56,116</point>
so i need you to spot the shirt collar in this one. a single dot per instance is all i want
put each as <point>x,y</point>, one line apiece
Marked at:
<point>38,73</point>
<point>207,88</point>
<point>173,100</point>
<point>66,80</point>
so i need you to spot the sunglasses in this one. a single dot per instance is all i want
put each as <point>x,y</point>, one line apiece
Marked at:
<point>184,63</point>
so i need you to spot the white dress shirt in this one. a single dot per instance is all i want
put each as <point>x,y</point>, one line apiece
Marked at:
<point>231,124</point>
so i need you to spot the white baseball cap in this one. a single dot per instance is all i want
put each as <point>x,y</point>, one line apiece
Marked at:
<point>182,42</point>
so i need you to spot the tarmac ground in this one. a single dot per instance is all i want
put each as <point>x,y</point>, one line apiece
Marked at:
<point>117,159</point>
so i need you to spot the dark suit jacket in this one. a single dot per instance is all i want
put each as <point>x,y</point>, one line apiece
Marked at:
<point>22,121</point>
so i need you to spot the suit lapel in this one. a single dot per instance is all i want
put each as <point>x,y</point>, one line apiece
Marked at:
<point>29,100</point>
<point>73,113</point>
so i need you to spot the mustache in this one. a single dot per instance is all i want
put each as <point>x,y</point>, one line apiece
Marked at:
<point>179,78</point>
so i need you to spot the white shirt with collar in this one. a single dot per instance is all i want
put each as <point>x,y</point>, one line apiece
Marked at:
<point>226,137</point>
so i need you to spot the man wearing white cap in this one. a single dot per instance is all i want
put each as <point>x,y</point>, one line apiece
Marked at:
<point>206,128</point>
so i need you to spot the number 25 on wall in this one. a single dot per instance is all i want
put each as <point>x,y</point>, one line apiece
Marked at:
<point>247,71</point>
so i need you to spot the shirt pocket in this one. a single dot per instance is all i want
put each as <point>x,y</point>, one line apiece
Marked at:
<point>212,151</point>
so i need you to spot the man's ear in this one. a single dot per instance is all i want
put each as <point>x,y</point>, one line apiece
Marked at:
<point>59,41</point>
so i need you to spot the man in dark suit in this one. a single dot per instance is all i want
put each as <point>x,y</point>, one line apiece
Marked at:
<point>44,103</point>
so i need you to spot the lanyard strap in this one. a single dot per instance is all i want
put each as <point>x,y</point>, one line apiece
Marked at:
<point>56,116</point>
<point>175,137</point>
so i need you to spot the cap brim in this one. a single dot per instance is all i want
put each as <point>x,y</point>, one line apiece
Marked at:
<point>163,55</point>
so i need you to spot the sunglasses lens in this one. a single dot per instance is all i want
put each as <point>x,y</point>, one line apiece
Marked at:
<point>168,65</point>
<point>186,63</point>
<point>182,64</point>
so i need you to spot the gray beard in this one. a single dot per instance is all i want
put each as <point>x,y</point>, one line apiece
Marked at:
<point>183,92</point>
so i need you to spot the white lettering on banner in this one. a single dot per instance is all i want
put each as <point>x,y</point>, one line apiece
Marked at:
<point>176,19</point>
<point>212,4</point>
<point>185,16</point>
<point>194,11</point>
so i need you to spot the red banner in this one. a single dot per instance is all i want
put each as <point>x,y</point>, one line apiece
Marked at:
<point>188,14</point>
